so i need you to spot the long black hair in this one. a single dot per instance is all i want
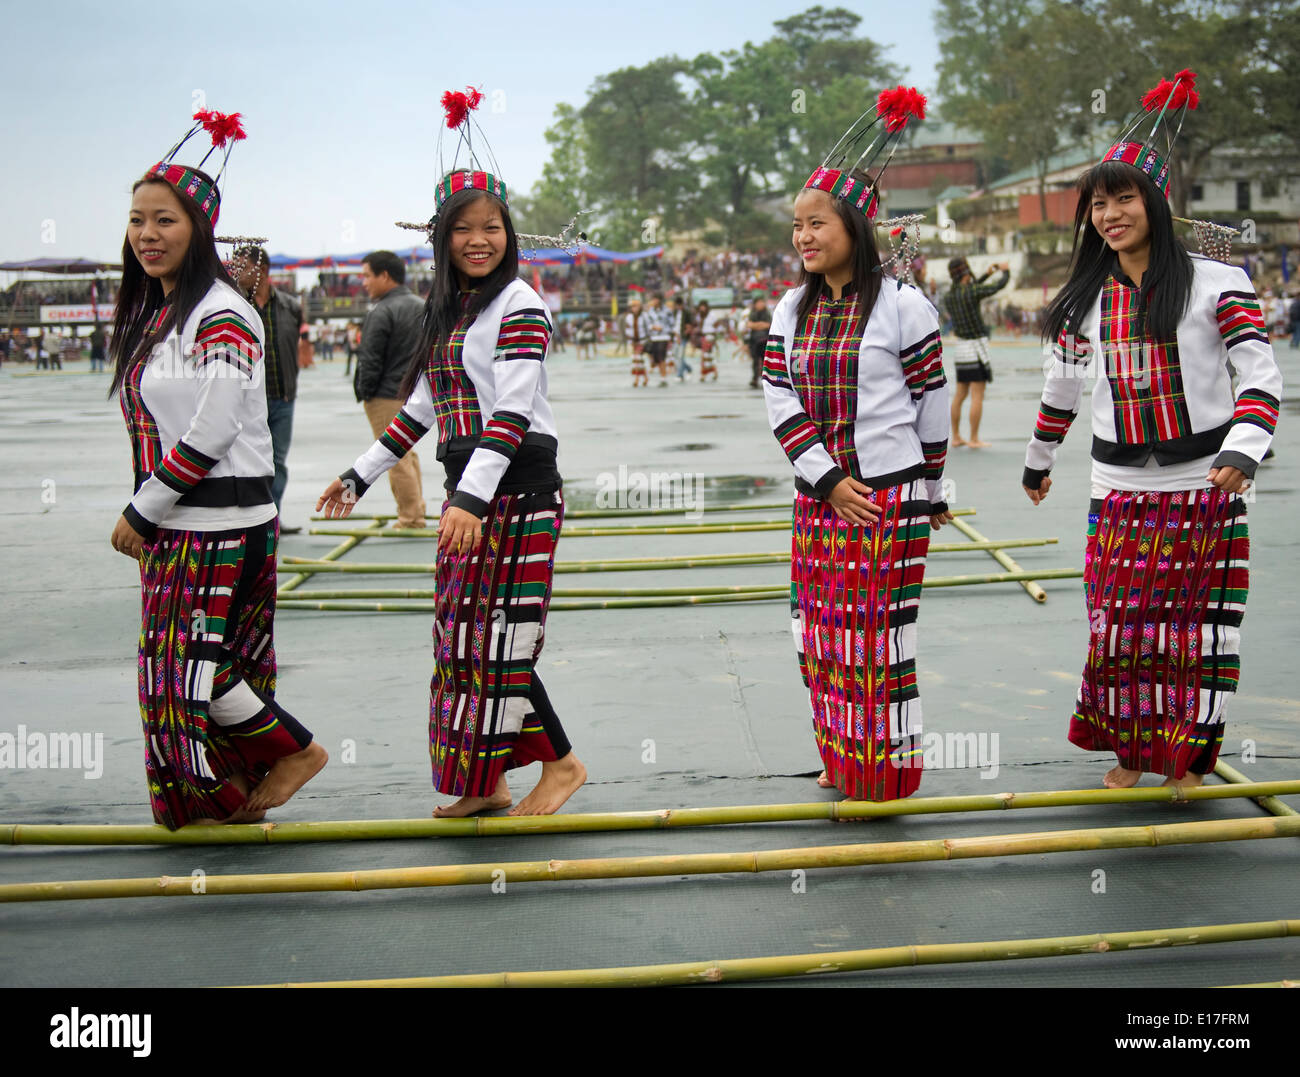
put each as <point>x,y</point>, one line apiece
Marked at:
<point>866,263</point>
<point>141,296</point>
<point>1166,284</point>
<point>442,310</point>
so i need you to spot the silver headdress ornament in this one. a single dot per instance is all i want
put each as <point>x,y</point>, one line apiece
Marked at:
<point>529,244</point>
<point>1214,240</point>
<point>238,262</point>
<point>905,234</point>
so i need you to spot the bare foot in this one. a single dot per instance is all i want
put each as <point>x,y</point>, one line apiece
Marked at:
<point>825,781</point>
<point>244,815</point>
<point>1190,780</point>
<point>1119,778</point>
<point>975,443</point>
<point>957,439</point>
<point>500,798</point>
<point>559,781</point>
<point>286,777</point>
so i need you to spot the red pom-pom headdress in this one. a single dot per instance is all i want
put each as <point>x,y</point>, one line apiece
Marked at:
<point>478,175</point>
<point>1140,148</point>
<point>880,128</point>
<point>224,131</point>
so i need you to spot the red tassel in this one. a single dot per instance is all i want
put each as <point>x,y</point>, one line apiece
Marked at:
<point>1178,93</point>
<point>220,127</point>
<point>458,105</point>
<point>898,105</point>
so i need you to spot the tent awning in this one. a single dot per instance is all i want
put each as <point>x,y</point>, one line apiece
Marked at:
<point>59,265</point>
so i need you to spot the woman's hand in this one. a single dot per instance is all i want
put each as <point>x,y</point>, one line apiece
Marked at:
<point>1228,479</point>
<point>939,519</point>
<point>849,500</point>
<point>1036,496</point>
<point>127,540</point>
<point>458,531</point>
<point>338,500</point>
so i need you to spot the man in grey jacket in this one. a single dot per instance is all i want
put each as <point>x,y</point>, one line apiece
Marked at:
<point>388,338</point>
<point>282,324</point>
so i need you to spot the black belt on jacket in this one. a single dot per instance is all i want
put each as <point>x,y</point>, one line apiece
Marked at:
<point>228,491</point>
<point>533,468</point>
<point>1170,451</point>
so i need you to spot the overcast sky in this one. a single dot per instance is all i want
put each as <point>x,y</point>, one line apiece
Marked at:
<point>340,100</point>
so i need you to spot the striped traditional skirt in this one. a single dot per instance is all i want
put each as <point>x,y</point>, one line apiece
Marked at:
<point>1165,579</point>
<point>971,359</point>
<point>638,362</point>
<point>487,709</point>
<point>206,632</point>
<point>854,597</point>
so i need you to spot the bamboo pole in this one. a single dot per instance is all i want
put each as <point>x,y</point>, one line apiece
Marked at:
<point>609,514</point>
<point>766,590</point>
<point>677,561</point>
<point>819,964</point>
<point>1274,983</point>
<point>593,822</point>
<point>593,532</point>
<point>338,551</point>
<point>1268,803</point>
<point>1026,581</point>
<point>578,532</point>
<point>618,514</point>
<point>643,867</point>
<point>360,600</point>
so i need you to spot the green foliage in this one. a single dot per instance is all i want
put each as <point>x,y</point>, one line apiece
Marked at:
<point>675,146</point>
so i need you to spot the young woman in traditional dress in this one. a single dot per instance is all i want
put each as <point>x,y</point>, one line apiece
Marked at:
<point>1174,446</point>
<point>187,350</point>
<point>855,390</point>
<point>478,377</point>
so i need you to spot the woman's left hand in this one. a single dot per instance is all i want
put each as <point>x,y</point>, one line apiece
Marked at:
<point>458,531</point>
<point>127,540</point>
<point>939,519</point>
<point>1227,479</point>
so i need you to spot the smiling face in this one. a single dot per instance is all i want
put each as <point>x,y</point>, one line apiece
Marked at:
<point>478,241</point>
<point>1121,220</point>
<point>822,241</point>
<point>159,231</point>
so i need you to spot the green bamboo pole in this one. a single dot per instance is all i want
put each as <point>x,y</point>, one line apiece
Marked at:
<point>677,561</point>
<point>594,822</point>
<point>338,551</point>
<point>610,514</point>
<point>819,964</point>
<point>421,601</point>
<point>1274,983</point>
<point>1268,803</point>
<point>593,532</point>
<point>644,867</point>
<point>1026,581</point>
<point>765,590</point>
<point>578,532</point>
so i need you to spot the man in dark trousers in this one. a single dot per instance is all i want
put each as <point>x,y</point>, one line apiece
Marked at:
<point>758,326</point>
<point>281,323</point>
<point>389,336</point>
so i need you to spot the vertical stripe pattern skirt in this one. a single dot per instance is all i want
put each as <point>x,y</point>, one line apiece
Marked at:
<point>487,710</point>
<point>854,597</point>
<point>206,622</point>
<point>1165,578</point>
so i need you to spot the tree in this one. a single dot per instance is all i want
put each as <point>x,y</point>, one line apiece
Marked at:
<point>637,132</point>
